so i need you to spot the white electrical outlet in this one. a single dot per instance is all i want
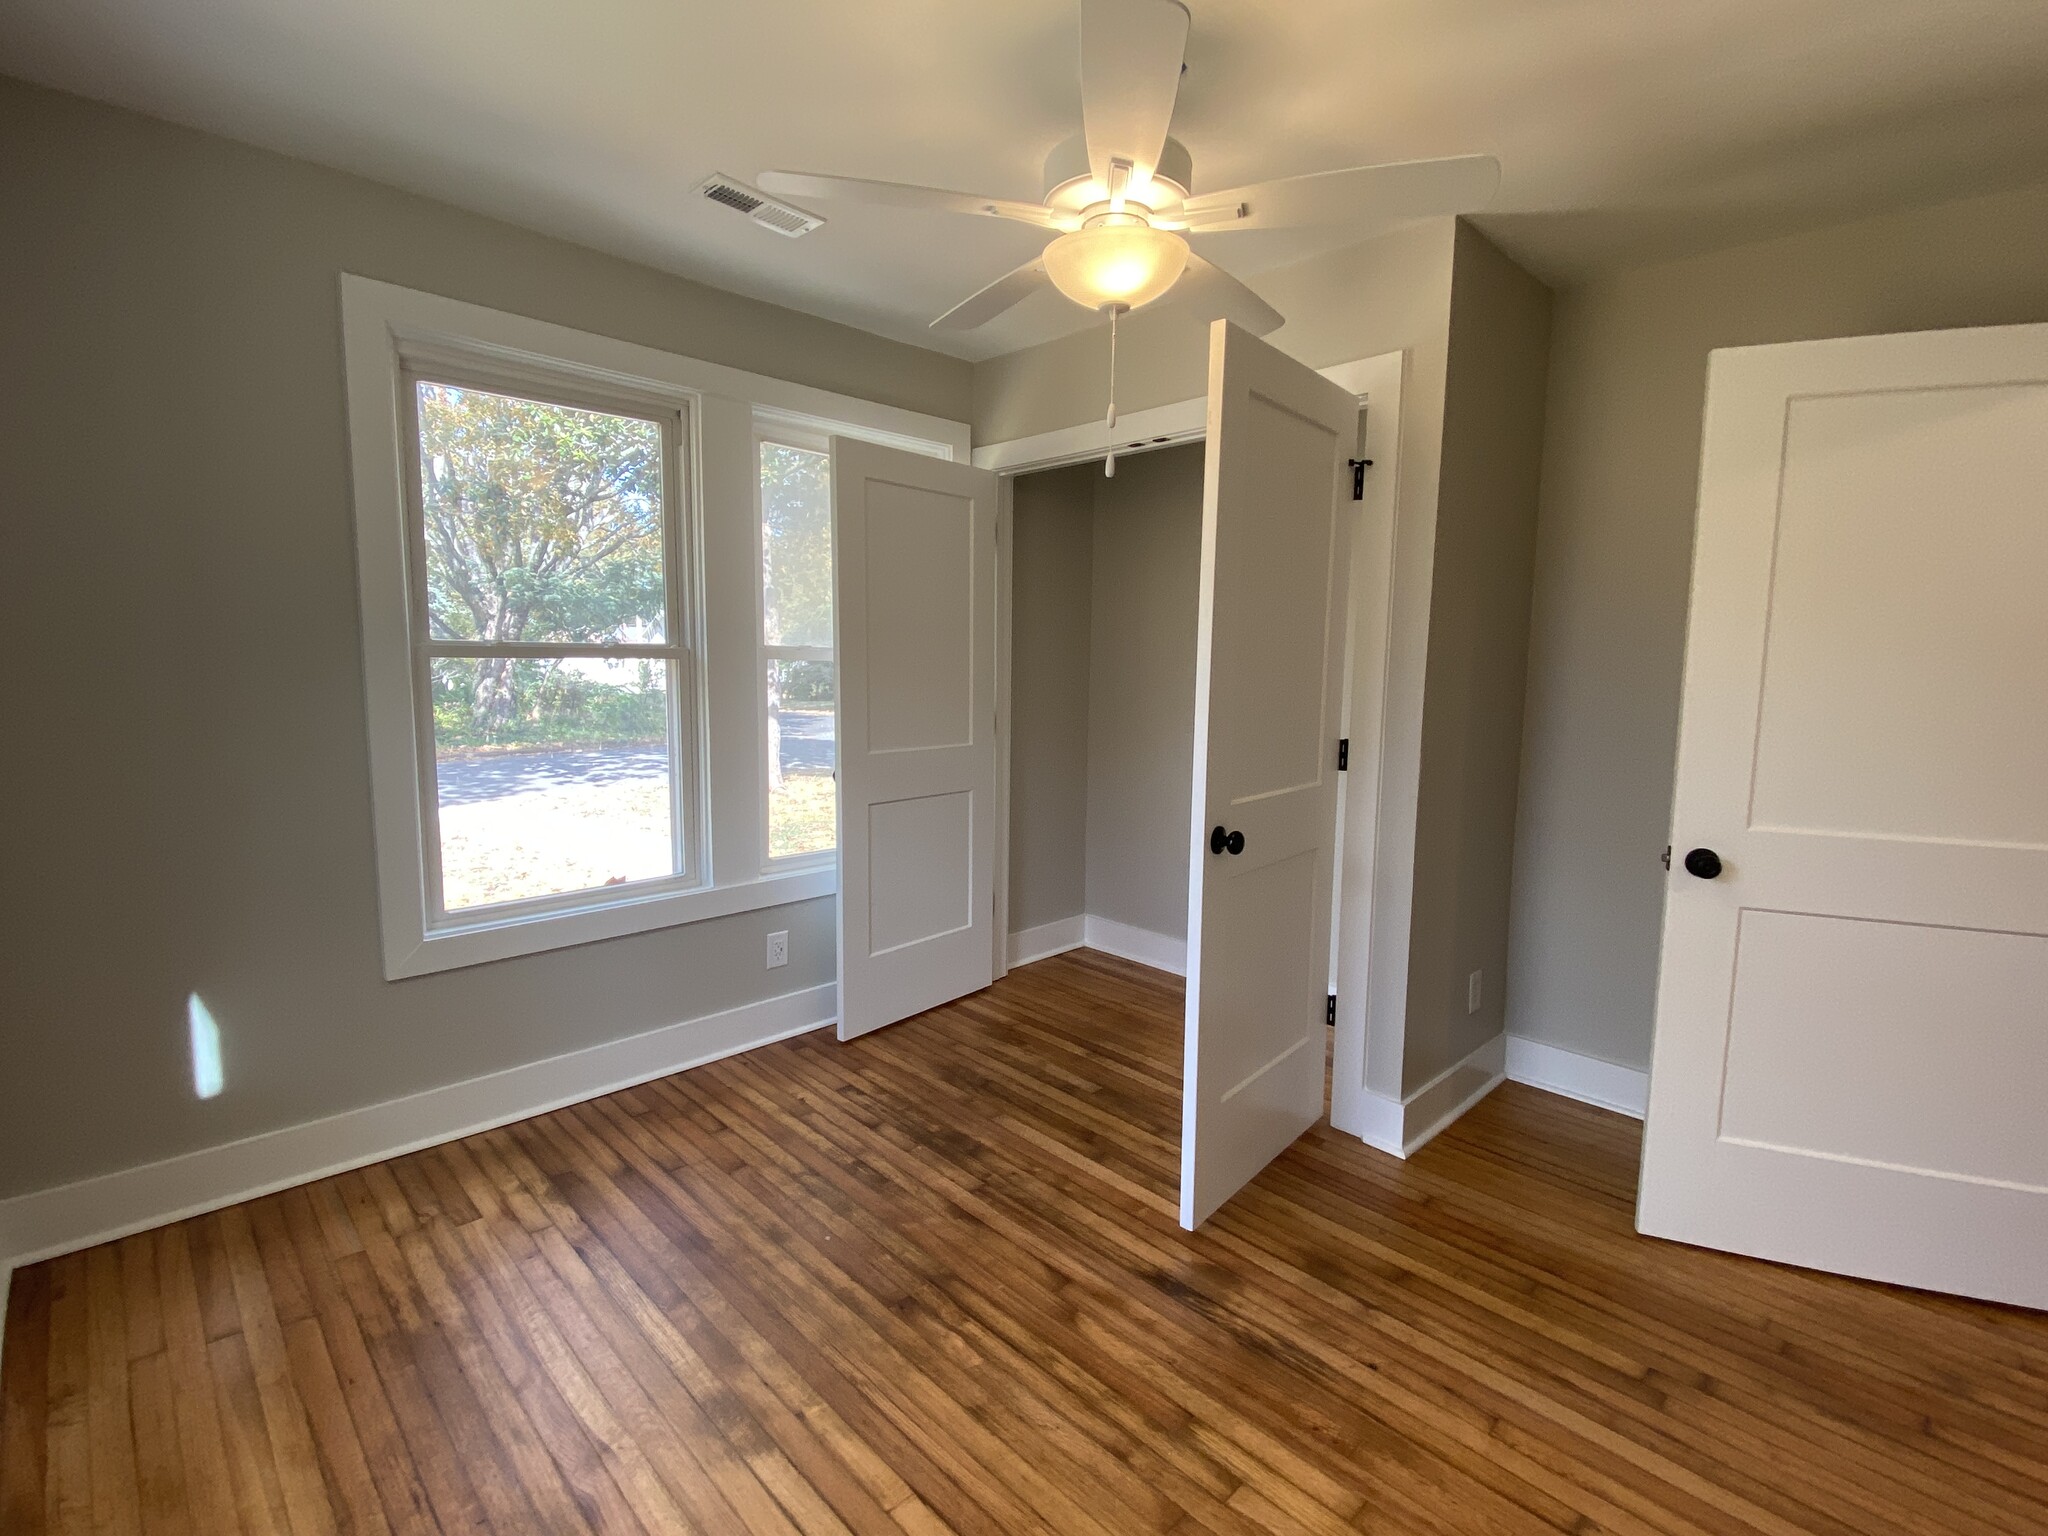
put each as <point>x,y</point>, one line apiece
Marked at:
<point>1473,991</point>
<point>778,949</point>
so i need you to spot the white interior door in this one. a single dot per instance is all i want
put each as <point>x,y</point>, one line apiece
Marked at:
<point>1851,1060</point>
<point>915,561</point>
<point>1268,673</point>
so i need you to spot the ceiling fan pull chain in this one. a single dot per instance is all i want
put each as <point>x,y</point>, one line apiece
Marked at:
<point>1109,459</point>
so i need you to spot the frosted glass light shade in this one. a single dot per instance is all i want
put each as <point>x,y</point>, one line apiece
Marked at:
<point>1120,264</point>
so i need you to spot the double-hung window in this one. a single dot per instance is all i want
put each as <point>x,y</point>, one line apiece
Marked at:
<point>559,685</point>
<point>596,584</point>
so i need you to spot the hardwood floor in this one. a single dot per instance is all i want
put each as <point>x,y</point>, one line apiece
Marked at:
<point>931,1281</point>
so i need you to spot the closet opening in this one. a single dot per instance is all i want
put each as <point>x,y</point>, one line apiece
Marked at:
<point>1101,582</point>
<point>1105,592</point>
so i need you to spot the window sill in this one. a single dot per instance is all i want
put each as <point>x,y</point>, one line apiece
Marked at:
<point>485,940</point>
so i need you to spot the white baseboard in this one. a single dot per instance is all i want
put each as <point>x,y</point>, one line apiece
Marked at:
<point>1588,1079</point>
<point>1158,950</point>
<point>1401,1126</point>
<point>1046,940</point>
<point>49,1222</point>
<point>1161,951</point>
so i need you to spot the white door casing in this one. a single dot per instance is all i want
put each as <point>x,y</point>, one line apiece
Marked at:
<point>1851,1060</point>
<point>914,546</point>
<point>1276,513</point>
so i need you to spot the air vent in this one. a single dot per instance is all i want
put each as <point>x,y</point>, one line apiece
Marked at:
<point>761,208</point>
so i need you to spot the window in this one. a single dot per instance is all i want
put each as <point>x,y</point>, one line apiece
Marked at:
<point>800,675</point>
<point>584,607</point>
<point>561,697</point>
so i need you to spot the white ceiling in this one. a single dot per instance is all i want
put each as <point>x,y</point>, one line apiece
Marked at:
<point>1627,129</point>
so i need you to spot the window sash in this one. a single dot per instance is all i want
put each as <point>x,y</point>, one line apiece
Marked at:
<point>680,621</point>
<point>782,432</point>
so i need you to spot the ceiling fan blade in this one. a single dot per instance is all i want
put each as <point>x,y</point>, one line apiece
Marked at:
<point>897,194</point>
<point>1206,289</point>
<point>1009,289</point>
<point>1409,189</point>
<point>1130,73</point>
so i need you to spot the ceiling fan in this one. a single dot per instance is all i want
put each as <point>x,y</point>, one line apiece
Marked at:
<point>1121,194</point>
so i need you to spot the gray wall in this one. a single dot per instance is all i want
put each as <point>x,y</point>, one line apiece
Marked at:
<point>1614,552</point>
<point>186,784</point>
<point>1141,693</point>
<point>1051,542</point>
<point>1478,652</point>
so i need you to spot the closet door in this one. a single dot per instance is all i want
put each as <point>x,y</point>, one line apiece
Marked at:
<point>1268,674</point>
<point>914,545</point>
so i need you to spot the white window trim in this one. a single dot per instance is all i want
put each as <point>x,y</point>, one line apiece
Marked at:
<point>385,331</point>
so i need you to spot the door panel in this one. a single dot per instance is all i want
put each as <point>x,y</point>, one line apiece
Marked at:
<point>1268,672</point>
<point>1852,1037</point>
<point>920,869</point>
<point>915,573</point>
<point>1274,599</point>
<point>1266,909</point>
<point>1895,612</point>
<point>920,551</point>
<point>1811,992</point>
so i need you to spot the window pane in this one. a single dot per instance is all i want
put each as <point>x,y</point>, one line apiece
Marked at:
<point>543,523</point>
<point>803,796</point>
<point>552,776</point>
<point>796,545</point>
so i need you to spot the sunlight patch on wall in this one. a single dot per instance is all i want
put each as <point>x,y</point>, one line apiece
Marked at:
<point>207,1076</point>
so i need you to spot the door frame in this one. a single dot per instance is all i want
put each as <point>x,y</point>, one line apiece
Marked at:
<point>1367,802</point>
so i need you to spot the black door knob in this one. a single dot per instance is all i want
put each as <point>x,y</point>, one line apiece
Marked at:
<point>1703,862</point>
<point>1221,841</point>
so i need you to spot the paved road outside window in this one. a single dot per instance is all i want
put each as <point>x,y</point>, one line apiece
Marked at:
<point>523,824</point>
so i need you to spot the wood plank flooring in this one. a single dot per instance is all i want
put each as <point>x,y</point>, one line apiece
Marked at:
<point>931,1281</point>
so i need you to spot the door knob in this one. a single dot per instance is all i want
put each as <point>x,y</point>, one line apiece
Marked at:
<point>1703,862</point>
<point>1221,841</point>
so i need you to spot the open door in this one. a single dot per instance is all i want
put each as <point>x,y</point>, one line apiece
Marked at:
<point>1268,691</point>
<point>1852,1014</point>
<point>914,547</point>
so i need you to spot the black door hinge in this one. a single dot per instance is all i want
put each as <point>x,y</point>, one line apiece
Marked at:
<point>1343,753</point>
<point>1358,469</point>
<point>1330,1013</point>
<point>1667,855</point>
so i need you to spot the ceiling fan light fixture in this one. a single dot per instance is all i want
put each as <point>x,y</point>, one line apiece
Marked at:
<point>1121,262</point>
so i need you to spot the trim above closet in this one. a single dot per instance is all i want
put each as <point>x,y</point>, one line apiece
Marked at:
<point>1158,426</point>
